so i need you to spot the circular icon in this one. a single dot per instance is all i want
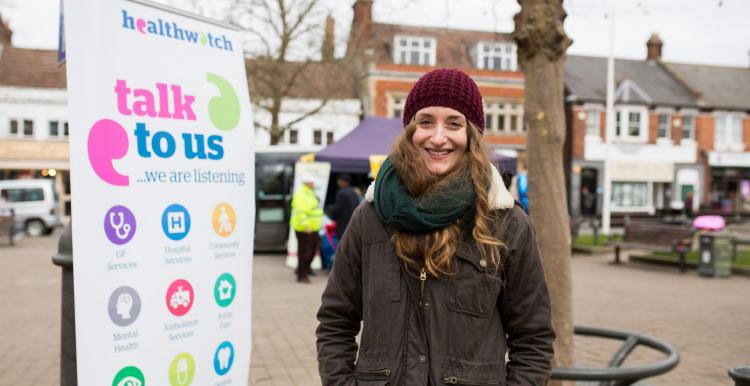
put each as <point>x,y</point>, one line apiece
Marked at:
<point>175,222</point>
<point>182,370</point>
<point>129,376</point>
<point>223,358</point>
<point>119,224</point>
<point>124,306</point>
<point>180,297</point>
<point>224,290</point>
<point>223,219</point>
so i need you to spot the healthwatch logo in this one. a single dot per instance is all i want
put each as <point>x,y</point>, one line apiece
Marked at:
<point>173,30</point>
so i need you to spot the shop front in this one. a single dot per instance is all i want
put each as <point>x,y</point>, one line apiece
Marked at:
<point>730,182</point>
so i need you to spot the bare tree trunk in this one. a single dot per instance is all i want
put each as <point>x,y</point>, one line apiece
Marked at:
<point>541,50</point>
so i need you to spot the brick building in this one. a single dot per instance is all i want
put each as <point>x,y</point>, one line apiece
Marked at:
<point>395,56</point>
<point>33,116</point>
<point>678,128</point>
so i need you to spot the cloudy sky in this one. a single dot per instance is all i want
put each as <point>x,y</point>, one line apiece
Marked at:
<point>694,31</point>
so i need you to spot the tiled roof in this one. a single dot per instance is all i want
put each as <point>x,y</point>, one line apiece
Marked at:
<point>24,67</point>
<point>317,80</point>
<point>586,77</point>
<point>718,87</point>
<point>454,46</point>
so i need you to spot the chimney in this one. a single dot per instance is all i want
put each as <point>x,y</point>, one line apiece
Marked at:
<point>361,32</point>
<point>653,47</point>
<point>5,32</point>
<point>327,50</point>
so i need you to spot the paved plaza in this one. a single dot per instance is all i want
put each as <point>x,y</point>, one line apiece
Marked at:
<point>707,320</point>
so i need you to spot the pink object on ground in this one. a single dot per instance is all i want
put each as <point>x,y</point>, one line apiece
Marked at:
<point>712,223</point>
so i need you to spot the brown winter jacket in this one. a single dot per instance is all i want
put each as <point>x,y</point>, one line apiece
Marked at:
<point>453,331</point>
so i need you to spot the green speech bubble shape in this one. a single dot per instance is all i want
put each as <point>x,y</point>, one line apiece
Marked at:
<point>223,110</point>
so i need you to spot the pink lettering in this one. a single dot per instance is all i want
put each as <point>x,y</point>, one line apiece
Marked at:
<point>107,142</point>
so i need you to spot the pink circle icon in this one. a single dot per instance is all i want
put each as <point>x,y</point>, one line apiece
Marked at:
<point>180,297</point>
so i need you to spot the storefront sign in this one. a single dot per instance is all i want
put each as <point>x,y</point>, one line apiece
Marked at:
<point>162,181</point>
<point>729,159</point>
<point>642,171</point>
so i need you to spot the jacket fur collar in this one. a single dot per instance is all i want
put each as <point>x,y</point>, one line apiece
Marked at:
<point>499,196</point>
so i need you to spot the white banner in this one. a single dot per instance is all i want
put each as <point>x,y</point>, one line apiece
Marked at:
<point>162,179</point>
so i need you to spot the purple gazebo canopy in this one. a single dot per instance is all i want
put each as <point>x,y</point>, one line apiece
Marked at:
<point>375,136</point>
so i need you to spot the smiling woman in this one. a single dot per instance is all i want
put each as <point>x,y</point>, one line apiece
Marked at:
<point>438,265</point>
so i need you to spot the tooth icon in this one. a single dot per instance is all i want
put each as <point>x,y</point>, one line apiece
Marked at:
<point>224,355</point>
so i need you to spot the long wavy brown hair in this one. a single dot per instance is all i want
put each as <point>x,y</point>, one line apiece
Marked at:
<point>434,250</point>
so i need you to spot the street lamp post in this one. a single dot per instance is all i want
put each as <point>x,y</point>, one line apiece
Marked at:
<point>609,129</point>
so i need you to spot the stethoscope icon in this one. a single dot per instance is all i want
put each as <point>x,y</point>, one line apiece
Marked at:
<point>122,229</point>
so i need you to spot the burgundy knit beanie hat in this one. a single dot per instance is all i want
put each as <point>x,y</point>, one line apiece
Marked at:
<point>446,87</point>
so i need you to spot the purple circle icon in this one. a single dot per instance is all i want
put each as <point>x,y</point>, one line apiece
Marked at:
<point>119,224</point>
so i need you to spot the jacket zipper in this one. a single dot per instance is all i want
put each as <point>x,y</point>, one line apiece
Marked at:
<point>382,372</point>
<point>422,279</point>
<point>449,380</point>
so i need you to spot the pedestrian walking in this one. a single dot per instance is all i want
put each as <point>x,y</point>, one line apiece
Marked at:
<point>306,219</point>
<point>344,203</point>
<point>438,265</point>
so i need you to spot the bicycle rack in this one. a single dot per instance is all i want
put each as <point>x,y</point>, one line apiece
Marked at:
<point>614,375</point>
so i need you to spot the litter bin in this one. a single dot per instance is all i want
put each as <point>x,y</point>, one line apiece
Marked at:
<point>715,256</point>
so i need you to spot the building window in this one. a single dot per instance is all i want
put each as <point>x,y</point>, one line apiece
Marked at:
<point>21,128</point>
<point>28,128</point>
<point>396,105</point>
<point>58,129</point>
<point>13,127</point>
<point>414,50</point>
<point>496,56</point>
<point>593,123</point>
<point>292,136</point>
<point>728,131</point>
<point>504,118</point>
<point>631,123</point>
<point>664,126</point>
<point>320,134</point>
<point>688,127</point>
<point>630,194</point>
<point>317,137</point>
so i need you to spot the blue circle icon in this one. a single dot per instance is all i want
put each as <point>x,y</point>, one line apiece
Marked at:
<point>175,222</point>
<point>223,358</point>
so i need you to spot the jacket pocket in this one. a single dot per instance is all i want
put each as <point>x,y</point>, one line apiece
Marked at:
<point>472,373</point>
<point>474,288</point>
<point>373,377</point>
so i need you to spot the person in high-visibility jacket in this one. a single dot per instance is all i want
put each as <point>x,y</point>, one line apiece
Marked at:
<point>307,217</point>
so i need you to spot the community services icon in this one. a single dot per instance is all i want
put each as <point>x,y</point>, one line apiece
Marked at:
<point>223,219</point>
<point>124,306</point>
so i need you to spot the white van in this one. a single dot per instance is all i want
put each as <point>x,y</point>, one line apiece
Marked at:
<point>34,203</point>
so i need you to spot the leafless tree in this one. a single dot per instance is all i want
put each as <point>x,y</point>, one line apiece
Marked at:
<point>542,43</point>
<point>283,46</point>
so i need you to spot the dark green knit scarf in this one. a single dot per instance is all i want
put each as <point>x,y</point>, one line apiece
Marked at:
<point>432,211</point>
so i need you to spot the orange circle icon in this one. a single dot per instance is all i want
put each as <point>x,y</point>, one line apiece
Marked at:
<point>224,220</point>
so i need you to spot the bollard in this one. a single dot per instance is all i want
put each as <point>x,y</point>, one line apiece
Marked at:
<point>740,375</point>
<point>64,259</point>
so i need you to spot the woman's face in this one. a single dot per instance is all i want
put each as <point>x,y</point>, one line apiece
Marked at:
<point>440,137</point>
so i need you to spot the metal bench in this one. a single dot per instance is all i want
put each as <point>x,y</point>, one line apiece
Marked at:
<point>656,237</point>
<point>6,228</point>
